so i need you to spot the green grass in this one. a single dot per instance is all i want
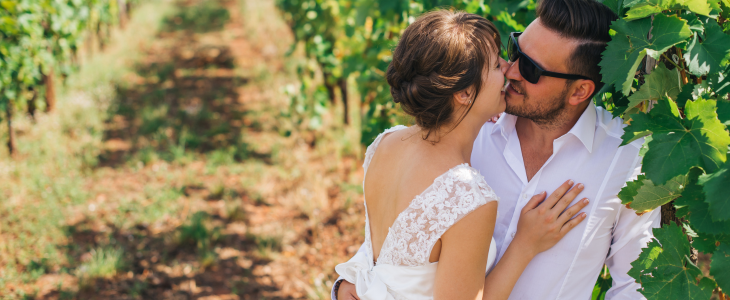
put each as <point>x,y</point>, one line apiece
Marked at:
<point>204,17</point>
<point>104,263</point>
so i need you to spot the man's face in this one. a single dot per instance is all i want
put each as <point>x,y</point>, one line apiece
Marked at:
<point>544,102</point>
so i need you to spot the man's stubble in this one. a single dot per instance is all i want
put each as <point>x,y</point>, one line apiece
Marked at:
<point>545,112</point>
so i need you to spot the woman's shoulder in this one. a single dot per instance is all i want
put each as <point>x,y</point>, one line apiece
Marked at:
<point>370,152</point>
<point>472,181</point>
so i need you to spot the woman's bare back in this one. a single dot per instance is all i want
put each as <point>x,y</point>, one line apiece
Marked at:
<point>402,168</point>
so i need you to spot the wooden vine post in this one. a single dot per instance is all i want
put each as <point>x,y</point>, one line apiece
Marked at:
<point>50,90</point>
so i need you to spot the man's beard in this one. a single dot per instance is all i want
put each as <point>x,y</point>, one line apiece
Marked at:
<point>546,112</point>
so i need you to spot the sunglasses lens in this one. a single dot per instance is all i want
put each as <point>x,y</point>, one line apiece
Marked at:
<point>529,71</point>
<point>512,51</point>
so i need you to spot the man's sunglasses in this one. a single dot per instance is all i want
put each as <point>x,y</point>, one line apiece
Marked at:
<point>528,68</point>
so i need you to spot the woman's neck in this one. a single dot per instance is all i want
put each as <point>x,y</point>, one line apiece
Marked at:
<point>457,140</point>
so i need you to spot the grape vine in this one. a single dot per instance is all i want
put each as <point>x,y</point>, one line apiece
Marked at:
<point>678,102</point>
<point>353,39</point>
<point>39,38</point>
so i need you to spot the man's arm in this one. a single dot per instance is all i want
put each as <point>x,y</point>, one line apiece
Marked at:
<point>630,234</point>
<point>333,292</point>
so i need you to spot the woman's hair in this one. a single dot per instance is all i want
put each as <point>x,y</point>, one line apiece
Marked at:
<point>440,54</point>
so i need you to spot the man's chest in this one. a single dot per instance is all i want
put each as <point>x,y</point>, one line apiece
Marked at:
<point>507,172</point>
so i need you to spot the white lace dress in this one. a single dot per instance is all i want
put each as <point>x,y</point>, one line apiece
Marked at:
<point>403,270</point>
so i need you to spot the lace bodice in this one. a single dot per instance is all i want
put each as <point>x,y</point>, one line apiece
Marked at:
<point>451,196</point>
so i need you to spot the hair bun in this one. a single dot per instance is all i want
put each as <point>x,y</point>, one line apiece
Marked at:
<point>438,55</point>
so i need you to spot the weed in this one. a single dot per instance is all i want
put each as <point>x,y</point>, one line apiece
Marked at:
<point>223,157</point>
<point>197,233</point>
<point>266,245</point>
<point>204,17</point>
<point>236,213</point>
<point>137,288</point>
<point>37,268</point>
<point>104,263</point>
<point>217,192</point>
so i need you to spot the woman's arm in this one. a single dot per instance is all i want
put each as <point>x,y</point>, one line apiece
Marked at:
<point>542,224</point>
<point>463,257</point>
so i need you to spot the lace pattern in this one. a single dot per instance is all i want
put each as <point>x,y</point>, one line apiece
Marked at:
<point>451,197</point>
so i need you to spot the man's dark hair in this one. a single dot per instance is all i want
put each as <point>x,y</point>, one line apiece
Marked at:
<point>587,21</point>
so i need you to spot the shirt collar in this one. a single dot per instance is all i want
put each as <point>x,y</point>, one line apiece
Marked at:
<point>584,129</point>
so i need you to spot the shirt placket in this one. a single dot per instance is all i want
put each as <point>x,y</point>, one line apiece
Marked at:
<point>528,188</point>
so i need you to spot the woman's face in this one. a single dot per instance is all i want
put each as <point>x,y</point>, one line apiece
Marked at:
<point>490,100</point>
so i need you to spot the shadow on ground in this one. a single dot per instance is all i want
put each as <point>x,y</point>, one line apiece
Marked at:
<point>183,97</point>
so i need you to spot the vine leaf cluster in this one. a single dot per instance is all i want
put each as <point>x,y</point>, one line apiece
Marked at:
<point>39,38</point>
<point>679,111</point>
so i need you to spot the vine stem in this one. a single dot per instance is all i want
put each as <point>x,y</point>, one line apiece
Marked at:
<point>672,61</point>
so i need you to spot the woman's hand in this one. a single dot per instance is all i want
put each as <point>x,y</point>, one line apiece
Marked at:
<point>543,222</point>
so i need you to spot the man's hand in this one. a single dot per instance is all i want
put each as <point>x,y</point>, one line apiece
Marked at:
<point>347,291</point>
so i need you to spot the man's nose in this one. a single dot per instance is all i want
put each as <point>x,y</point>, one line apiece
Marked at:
<point>513,73</point>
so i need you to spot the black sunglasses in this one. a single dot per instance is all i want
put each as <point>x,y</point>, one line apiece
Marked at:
<point>528,68</point>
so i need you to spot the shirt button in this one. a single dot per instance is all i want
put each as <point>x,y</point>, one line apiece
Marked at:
<point>513,235</point>
<point>524,196</point>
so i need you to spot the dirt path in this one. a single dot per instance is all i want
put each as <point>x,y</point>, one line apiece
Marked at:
<point>206,189</point>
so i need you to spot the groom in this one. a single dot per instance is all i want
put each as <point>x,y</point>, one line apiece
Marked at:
<point>551,132</point>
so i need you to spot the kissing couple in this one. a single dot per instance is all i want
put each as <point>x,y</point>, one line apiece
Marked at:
<point>531,197</point>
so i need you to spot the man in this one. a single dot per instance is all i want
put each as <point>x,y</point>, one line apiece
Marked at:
<point>552,132</point>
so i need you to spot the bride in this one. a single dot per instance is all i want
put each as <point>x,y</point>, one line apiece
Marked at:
<point>429,215</point>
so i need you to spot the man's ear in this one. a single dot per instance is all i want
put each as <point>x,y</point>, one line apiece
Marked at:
<point>582,91</point>
<point>463,97</point>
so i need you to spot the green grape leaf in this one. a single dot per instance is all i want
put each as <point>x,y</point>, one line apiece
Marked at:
<point>716,191</point>
<point>643,195</point>
<point>631,189</point>
<point>680,144</point>
<point>603,284</point>
<point>685,95</point>
<point>719,82</point>
<point>705,57</point>
<point>704,242</point>
<point>723,111</point>
<point>628,47</point>
<point>695,24</point>
<point>669,274</point>
<point>646,259</point>
<point>643,124</point>
<point>693,206</point>
<point>720,266</point>
<point>660,83</point>
<point>644,8</point>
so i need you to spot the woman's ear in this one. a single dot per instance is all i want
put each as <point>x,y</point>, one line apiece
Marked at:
<point>464,97</point>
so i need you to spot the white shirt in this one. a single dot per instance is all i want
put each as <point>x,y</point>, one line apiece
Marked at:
<point>612,234</point>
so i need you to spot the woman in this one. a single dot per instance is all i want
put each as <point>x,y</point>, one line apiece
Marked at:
<point>430,216</point>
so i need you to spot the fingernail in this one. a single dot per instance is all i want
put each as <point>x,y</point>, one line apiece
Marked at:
<point>544,192</point>
<point>585,201</point>
<point>582,215</point>
<point>580,185</point>
<point>570,181</point>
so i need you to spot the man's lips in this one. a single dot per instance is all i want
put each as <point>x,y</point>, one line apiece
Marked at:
<point>510,89</point>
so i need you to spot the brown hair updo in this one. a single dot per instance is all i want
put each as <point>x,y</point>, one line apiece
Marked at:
<point>440,54</point>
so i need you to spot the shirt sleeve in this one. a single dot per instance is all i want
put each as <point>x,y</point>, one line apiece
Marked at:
<point>631,233</point>
<point>332,293</point>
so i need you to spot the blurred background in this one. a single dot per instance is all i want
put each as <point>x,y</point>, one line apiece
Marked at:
<point>193,149</point>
